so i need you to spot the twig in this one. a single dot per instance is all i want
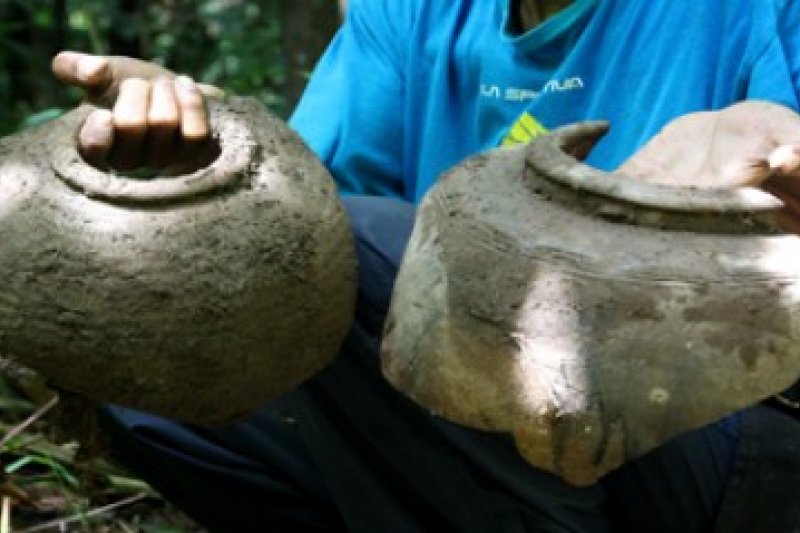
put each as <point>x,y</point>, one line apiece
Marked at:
<point>5,516</point>
<point>40,412</point>
<point>79,517</point>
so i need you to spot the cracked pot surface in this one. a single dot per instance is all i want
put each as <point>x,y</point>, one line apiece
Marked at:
<point>195,296</point>
<point>592,316</point>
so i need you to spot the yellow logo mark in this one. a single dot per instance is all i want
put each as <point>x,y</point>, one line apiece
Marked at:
<point>524,130</point>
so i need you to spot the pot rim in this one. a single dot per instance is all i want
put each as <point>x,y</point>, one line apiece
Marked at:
<point>237,147</point>
<point>547,155</point>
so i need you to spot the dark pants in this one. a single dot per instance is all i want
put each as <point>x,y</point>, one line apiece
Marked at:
<point>346,452</point>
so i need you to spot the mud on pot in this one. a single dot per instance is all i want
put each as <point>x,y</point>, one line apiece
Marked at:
<point>196,296</point>
<point>591,315</point>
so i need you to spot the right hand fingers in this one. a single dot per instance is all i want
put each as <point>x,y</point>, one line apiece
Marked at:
<point>153,123</point>
<point>130,121</point>
<point>96,137</point>
<point>192,106</point>
<point>163,119</point>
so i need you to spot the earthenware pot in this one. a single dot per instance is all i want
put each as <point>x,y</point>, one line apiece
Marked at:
<point>591,315</point>
<point>197,296</point>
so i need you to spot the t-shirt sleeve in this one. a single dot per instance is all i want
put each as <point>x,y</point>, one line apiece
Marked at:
<point>351,113</point>
<point>776,73</point>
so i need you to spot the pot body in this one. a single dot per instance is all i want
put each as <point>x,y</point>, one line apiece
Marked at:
<point>197,296</point>
<point>543,298</point>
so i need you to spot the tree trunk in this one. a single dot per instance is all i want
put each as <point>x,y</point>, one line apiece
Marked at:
<point>123,39</point>
<point>20,38</point>
<point>60,26</point>
<point>307,26</point>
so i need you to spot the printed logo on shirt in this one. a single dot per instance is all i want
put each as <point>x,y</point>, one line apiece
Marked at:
<point>524,130</point>
<point>519,94</point>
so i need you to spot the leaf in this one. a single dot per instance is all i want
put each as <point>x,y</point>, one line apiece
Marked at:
<point>41,117</point>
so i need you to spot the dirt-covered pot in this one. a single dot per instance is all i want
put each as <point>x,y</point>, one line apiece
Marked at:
<point>591,315</point>
<point>196,296</point>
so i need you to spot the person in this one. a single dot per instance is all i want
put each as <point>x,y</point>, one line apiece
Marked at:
<point>704,93</point>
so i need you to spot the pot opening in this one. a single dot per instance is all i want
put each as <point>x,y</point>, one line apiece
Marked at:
<point>213,165</point>
<point>556,157</point>
<point>186,159</point>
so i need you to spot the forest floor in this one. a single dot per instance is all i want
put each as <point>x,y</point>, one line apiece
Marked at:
<point>44,486</point>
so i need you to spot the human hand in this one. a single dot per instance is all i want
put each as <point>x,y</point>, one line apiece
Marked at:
<point>752,143</point>
<point>155,118</point>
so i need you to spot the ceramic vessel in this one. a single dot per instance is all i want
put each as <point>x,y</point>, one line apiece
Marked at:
<point>591,315</point>
<point>196,296</point>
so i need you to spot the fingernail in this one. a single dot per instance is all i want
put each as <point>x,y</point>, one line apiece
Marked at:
<point>186,83</point>
<point>90,68</point>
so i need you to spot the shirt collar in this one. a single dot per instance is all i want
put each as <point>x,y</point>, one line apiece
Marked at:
<point>548,31</point>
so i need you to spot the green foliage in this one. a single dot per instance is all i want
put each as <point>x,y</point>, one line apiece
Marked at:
<point>234,44</point>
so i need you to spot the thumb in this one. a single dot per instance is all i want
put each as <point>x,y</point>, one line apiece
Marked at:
<point>89,72</point>
<point>100,76</point>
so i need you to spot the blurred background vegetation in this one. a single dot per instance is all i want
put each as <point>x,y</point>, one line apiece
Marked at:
<point>263,48</point>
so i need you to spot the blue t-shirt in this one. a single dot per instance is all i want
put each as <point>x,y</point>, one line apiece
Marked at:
<point>408,88</point>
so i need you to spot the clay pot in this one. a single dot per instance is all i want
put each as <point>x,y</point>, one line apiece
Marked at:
<point>591,315</point>
<point>195,296</point>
